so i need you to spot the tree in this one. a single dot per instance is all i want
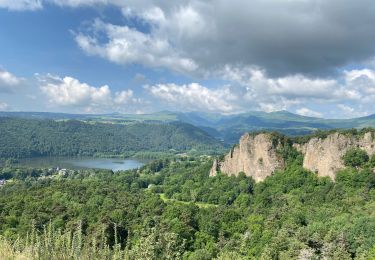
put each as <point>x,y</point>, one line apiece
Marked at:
<point>355,157</point>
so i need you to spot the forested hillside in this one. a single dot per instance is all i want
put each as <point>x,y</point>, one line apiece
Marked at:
<point>226,127</point>
<point>27,138</point>
<point>171,209</point>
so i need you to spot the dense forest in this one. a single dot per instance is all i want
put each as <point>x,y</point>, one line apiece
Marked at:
<point>171,209</point>
<point>27,138</point>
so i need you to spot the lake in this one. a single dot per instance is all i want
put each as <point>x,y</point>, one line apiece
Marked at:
<point>76,163</point>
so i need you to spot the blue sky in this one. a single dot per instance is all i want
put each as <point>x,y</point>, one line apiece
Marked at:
<point>99,56</point>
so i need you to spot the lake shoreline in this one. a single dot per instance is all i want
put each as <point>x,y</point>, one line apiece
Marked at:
<point>80,162</point>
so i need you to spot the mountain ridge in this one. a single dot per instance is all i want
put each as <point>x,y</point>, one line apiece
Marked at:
<point>227,128</point>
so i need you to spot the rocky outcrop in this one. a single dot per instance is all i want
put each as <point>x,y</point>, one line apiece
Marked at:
<point>256,156</point>
<point>324,155</point>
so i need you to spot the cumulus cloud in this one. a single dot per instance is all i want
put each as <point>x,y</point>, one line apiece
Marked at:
<point>3,106</point>
<point>271,54</point>
<point>8,81</point>
<point>258,83</point>
<point>361,81</point>
<point>361,84</point>
<point>195,97</point>
<point>251,89</point>
<point>32,5</point>
<point>346,109</point>
<point>272,94</point>
<point>126,45</point>
<point>124,97</point>
<point>304,111</point>
<point>21,5</point>
<point>352,91</point>
<point>310,37</point>
<point>70,92</point>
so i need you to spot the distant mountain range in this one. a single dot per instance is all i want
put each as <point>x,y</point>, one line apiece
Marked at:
<point>225,127</point>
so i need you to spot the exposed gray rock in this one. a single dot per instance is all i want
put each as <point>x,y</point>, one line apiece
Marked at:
<point>257,156</point>
<point>324,156</point>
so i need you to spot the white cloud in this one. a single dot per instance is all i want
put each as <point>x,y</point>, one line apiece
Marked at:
<point>361,81</point>
<point>8,81</point>
<point>346,109</point>
<point>21,5</point>
<point>357,74</point>
<point>70,92</point>
<point>271,94</point>
<point>304,111</point>
<point>124,97</point>
<point>353,91</point>
<point>272,54</point>
<point>126,45</point>
<point>195,97</point>
<point>32,5</point>
<point>76,3</point>
<point>3,106</point>
<point>310,37</point>
<point>295,86</point>
<point>251,89</point>
<point>7,78</point>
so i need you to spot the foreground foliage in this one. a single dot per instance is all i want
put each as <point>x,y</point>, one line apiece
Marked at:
<point>171,209</point>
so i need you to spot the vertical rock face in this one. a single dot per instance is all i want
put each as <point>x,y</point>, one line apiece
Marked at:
<point>324,156</point>
<point>256,156</point>
<point>215,168</point>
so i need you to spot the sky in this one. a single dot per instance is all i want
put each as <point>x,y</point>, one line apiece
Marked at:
<point>310,57</point>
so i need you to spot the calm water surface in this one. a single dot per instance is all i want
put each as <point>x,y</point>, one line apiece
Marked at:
<point>83,163</point>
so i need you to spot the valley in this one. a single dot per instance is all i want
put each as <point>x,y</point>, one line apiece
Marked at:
<point>187,130</point>
<point>227,128</point>
<point>260,201</point>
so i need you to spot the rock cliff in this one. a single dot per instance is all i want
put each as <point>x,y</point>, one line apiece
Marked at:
<point>324,155</point>
<point>257,155</point>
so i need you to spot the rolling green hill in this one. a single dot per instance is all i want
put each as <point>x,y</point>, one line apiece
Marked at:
<point>35,137</point>
<point>225,127</point>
